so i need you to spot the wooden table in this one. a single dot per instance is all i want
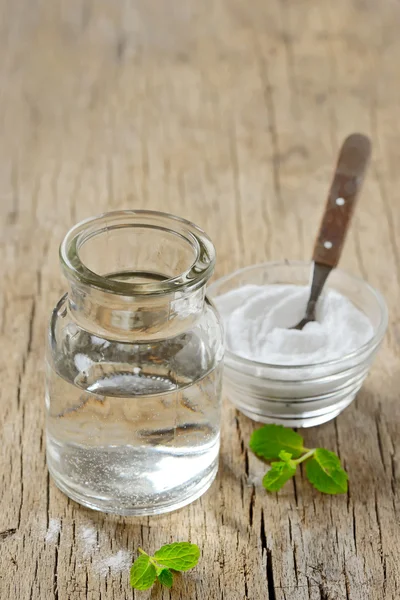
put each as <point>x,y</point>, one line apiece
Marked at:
<point>229,113</point>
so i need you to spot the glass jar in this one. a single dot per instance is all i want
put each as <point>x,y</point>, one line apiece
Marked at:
<point>134,365</point>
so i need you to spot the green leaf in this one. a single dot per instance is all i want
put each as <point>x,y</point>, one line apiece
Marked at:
<point>143,573</point>
<point>268,441</point>
<point>165,577</point>
<point>278,475</point>
<point>285,456</point>
<point>180,556</point>
<point>325,472</point>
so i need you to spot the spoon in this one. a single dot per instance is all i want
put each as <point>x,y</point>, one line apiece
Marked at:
<point>349,174</point>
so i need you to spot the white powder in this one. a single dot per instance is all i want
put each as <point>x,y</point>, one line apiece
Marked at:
<point>257,321</point>
<point>88,535</point>
<point>53,530</point>
<point>122,561</point>
<point>115,563</point>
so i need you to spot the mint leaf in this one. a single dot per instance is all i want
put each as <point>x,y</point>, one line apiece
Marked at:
<point>325,472</point>
<point>143,573</point>
<point>165,577</point>
<point>180,556</point>
<point>278,475</point>
<point>268,441</point>
<point>323,467</point>
<point>285,456</point>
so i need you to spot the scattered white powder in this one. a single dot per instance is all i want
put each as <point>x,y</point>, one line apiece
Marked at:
<point>257,321</point>
<point>53,530</point>
<point>122,561</point>
<point>115,563</point>
<point>88,535</point>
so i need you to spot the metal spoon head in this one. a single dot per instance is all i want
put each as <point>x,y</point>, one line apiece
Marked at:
<point>302,323</point>
<point>320,275</point>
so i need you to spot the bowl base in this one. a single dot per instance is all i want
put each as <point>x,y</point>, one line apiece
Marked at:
<point>302,419</point>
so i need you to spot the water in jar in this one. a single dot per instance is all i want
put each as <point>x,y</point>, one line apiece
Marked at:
<point>133,439</point>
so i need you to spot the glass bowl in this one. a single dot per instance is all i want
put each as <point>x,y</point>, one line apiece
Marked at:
<point>304,395</point>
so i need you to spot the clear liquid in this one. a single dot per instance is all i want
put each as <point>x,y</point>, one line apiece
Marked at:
<point>130,440</point>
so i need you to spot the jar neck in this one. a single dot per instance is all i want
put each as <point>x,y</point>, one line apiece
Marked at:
<point>128,319</point>
<point>136,275</point>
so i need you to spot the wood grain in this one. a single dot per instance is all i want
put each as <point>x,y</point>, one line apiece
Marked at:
<point>230,114</point>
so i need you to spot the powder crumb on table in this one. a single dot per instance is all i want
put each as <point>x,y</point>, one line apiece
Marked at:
<point>88,535</point>
<point>116,563</point>
<point>53,530</point>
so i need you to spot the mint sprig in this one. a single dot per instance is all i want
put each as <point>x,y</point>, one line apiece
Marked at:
<point>143,573</point>
<point>270,440</point>
<point>179,556</point>
<point>325,472</point>
<point>278,475</point>
<point>323,468</point>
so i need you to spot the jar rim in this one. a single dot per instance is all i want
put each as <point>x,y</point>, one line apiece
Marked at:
<point>192,278</point>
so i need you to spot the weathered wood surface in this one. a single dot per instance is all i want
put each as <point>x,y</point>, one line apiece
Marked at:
<point>229,113</point>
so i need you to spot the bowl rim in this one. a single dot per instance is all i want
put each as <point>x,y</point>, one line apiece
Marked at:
<point>370,345</point>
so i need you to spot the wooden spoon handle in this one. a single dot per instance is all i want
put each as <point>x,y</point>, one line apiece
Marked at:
<point>349,174</point>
